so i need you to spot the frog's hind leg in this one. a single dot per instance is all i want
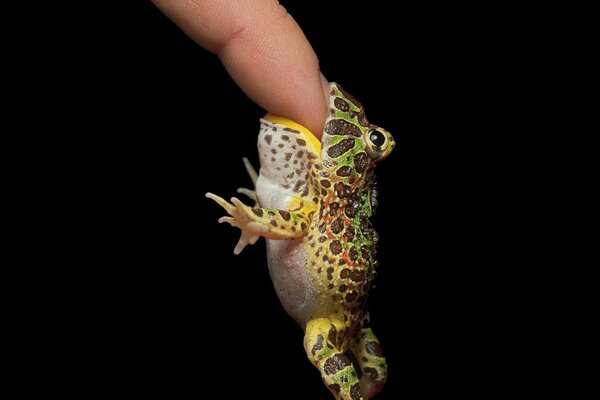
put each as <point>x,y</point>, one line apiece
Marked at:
<point>367,351</point>
<point>323,347</point>
<point>254,176</point>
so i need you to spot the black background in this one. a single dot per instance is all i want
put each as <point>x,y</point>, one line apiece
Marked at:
<point>481,291</point>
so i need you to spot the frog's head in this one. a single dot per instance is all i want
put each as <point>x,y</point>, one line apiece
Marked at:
<point>351,145</point>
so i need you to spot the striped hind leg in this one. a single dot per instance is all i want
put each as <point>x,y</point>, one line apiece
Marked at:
<point>322,345</point>
<point>367,350</point>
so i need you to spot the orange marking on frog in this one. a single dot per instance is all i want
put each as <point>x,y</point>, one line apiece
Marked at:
<point>345,257</point>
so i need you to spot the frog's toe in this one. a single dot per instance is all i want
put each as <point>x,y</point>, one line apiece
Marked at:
<point>249,193</point>
<point>250,234</point>
<point>251,171</point>
<point>229,220</point>
<point>237,202</point>
<point>221,201</point>
<point>244,241</point>
<point>239,247</point>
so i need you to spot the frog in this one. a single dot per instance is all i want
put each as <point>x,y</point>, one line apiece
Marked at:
<point>313,201</point>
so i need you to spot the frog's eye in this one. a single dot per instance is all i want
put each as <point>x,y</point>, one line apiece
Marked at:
<point>378,143</point>
<point>377,138</point>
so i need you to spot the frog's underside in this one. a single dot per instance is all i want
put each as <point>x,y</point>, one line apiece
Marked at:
<point>299,266</point>
<point>314,201</point>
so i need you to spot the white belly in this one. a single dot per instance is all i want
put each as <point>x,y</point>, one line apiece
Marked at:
<point>276,187</point>
<point>287,260</point>
<point>293,283</point>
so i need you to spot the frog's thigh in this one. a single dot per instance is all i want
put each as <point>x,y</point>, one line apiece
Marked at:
<point>367,351</point>
<point>323,349</point>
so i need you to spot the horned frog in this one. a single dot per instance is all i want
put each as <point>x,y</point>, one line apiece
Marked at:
<point>313,203</point>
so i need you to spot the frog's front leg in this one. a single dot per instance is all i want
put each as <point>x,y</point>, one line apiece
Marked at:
<point>323,346</point>
<point>256,222</point>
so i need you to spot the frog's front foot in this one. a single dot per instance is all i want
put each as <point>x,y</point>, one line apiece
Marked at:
<point>240,218</point>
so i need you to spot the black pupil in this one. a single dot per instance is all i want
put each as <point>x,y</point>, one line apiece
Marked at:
<point>377,138</point>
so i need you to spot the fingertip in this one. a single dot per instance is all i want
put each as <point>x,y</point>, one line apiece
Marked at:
<point>314,113</point>
<point>325,87</point>
<point>320,121</point>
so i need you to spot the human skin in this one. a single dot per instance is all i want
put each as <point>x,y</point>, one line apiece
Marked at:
<point>263,49</point>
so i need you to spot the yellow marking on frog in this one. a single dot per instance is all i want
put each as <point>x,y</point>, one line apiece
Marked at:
<point>302,205</point>
<point>312,139</point>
